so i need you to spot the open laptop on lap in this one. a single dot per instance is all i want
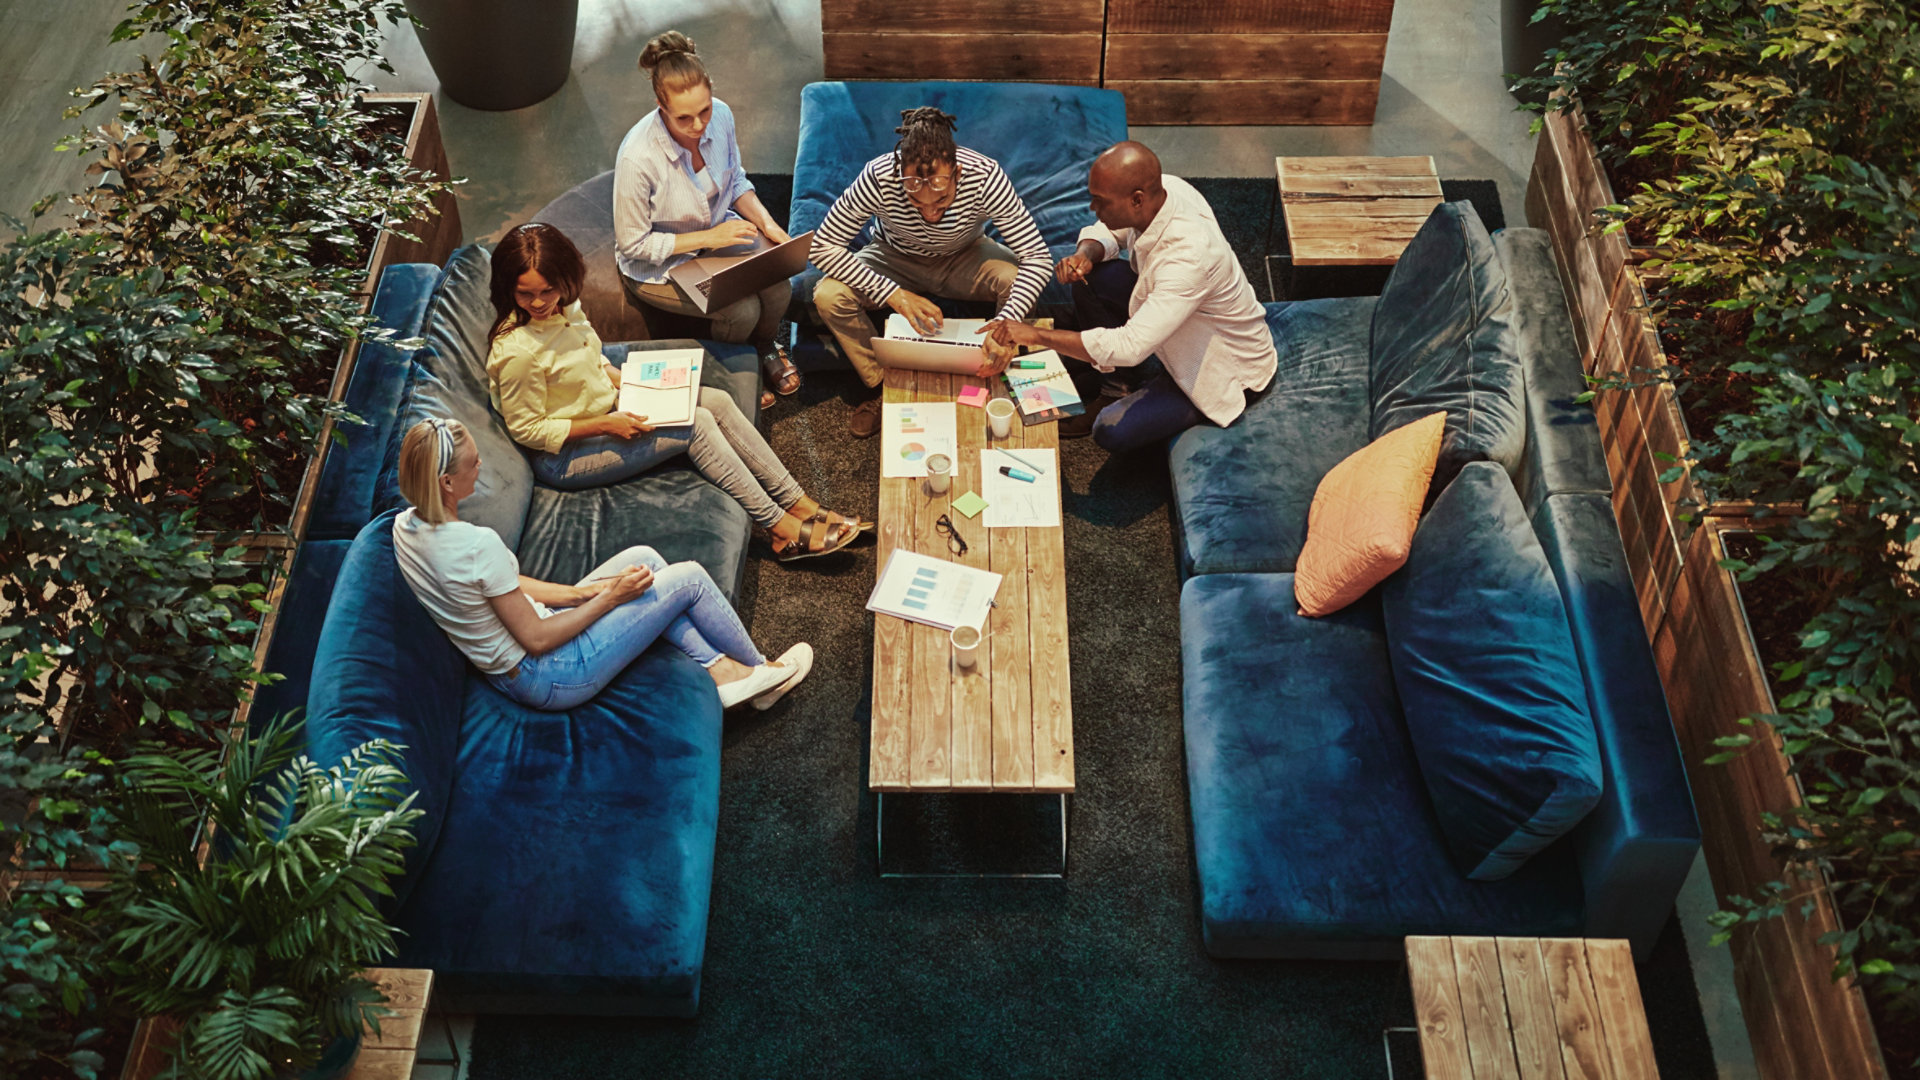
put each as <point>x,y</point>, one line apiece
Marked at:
<point>714,281</point>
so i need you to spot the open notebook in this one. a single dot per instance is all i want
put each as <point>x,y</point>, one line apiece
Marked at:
<point>1044,393</point>
<point>662,385</point>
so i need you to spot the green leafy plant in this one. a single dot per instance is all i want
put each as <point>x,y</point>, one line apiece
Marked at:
<point>257,948</point>
<point>1766,155</point>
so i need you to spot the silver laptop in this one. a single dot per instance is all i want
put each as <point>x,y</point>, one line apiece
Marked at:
<point>954,348</point>
<point>714,281</point>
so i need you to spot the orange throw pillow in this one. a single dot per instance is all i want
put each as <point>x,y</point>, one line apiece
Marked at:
<point>1360,527</point>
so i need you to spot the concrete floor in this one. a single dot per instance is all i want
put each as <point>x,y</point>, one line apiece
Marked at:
<point>1441,95</point>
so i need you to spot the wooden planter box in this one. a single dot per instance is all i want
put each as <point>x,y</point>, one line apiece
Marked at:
<point>1801,1023</point>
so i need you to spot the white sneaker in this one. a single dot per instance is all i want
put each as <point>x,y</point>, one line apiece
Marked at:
<point>757,681</point>
<point>799,660</point>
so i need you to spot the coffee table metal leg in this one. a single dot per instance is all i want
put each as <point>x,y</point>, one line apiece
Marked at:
<point>970,835</point>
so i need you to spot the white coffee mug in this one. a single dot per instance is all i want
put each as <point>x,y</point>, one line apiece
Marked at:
<point>1000,415</point>
<point>965,640</point>
<point>939,473</point>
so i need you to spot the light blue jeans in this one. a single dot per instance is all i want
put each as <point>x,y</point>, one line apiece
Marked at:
<point>683,605</point>
<point>725,447</point>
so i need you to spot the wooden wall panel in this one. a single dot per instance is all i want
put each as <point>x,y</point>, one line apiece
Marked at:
<point>1249,16</point>
<point>963,16</point>
<point>1183,102</point>
<point>979,57</point>
<point>1278,57</point>
<point>1802,1025</point>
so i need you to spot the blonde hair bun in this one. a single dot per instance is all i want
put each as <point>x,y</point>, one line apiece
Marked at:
<point>671,43</point>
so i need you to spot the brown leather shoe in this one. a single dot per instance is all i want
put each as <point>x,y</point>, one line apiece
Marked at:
<point>864,421</point>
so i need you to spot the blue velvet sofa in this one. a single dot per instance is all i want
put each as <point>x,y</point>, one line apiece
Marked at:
<point>1316,833</point>
<point>1044,136</point>
<point>565,860</point>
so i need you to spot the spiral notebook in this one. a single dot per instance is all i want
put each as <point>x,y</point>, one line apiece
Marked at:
<point>1043,394</point>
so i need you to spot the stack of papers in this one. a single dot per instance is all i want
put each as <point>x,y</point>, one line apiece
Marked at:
<point>933,591</point>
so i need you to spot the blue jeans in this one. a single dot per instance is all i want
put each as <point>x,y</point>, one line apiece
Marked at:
<point>724,446</point>
<point>683,605</point>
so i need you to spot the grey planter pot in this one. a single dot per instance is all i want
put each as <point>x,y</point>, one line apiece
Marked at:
<point>1524,44</point>
<point>498,54</point>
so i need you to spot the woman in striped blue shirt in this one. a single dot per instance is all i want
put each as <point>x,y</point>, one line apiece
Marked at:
<point>932,202</point>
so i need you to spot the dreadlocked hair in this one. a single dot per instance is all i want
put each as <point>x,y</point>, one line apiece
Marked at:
<point>926,137</point>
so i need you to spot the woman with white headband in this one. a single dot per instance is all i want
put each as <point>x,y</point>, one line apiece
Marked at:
<point>529,636</point>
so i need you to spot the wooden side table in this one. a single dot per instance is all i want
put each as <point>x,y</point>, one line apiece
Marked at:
<point>1527,1008</point>
<point>1352,211</point>
<point>390,1055</point>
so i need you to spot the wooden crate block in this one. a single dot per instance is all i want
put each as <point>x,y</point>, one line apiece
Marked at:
<point>980,57</point>
<point>1248,16</point>
<point>1276,57</point>
<point>963,16</point>
<point>1248,102</point>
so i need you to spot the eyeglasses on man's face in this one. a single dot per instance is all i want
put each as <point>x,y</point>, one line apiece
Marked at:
<point>955,542</point>
<point>939,185</point>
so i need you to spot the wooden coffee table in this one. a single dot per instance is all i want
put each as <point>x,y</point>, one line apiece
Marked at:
<point>1353,211</point>
<point>1007,725</point>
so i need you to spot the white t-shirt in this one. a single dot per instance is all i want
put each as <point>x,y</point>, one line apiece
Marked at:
<point>453,568</point>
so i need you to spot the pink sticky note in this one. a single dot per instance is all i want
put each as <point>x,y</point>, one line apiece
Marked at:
<point>975,396</point>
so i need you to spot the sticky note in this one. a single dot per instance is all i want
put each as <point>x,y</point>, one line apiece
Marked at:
<point>652,370</point>
<point>970,504</point>
<point>975,396</point>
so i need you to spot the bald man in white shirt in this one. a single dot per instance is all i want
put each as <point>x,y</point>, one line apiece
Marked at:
<point>1179,294</point>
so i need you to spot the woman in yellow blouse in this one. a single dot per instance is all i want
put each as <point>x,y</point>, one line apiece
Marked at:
<point>557,394</point>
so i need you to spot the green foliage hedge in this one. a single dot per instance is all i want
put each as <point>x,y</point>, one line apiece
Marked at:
<point>166,352</point>
<point>1768,153</point>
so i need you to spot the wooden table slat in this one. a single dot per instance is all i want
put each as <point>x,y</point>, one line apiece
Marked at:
<point>390,1055</point>
<point>972,690</point>
<point>1536,1045</point>
<point>1483,1008</point>
<point>887,768</point>
<point>931,729</point>
<point>1576,1014</point>
<point>1012,685</point>
<point>1624,1019</point>
<point>1436,1006</point>
<point>1053,766</point>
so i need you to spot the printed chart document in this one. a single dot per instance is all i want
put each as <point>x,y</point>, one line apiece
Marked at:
<point>662,385</point>
<point>1043,394</point>
<point>1016,503</point>
<point>909,431</point>
<point>924,589</point>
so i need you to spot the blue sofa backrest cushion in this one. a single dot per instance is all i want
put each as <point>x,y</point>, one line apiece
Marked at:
<point>1444,338</point>
<point>1494,698</point>
<point>449,379</point>
<point>385,670</point>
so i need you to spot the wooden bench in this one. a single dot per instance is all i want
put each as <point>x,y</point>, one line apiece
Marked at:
<point>390,1055</point>
<point>1007,725</point>
<point>1529,1009</point>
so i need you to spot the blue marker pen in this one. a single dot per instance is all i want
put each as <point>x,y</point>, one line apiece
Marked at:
<point>1017,474</point>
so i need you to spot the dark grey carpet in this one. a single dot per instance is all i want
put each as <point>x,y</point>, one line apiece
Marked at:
<point>817,967</point>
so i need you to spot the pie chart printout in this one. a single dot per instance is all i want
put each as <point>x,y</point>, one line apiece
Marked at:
<point>913,451</point>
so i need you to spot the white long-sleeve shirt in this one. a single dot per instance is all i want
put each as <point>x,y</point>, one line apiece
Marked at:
<point>1192,305</point>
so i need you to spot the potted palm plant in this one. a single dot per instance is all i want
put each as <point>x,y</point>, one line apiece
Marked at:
<point>251,910</point>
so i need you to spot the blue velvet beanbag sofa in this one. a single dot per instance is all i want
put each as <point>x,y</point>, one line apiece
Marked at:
<point>565,859</point>
<point>1481,744</point>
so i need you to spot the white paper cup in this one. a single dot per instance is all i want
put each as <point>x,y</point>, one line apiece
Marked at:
<point>1000,415</point>
<point>965,640</point>
<point>939,473</point>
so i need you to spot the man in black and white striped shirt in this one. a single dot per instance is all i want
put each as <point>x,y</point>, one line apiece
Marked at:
<point>933,201</point>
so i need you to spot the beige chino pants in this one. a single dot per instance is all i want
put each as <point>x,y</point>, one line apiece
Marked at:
<point>982,272</point>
